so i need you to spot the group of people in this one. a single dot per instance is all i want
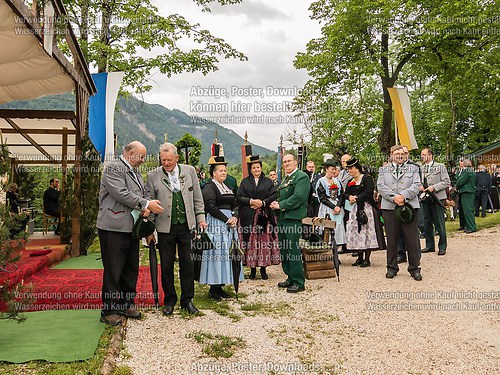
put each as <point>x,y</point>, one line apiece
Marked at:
<point>263,218</point>
<point>51,206</point>
<point>182,208</point>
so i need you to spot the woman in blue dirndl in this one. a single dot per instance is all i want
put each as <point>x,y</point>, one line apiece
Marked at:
<point>222,218</point>
<point>329,192</point>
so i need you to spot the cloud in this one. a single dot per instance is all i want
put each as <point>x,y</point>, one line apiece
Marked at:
<point>255,11</point>
<point>269,35</point>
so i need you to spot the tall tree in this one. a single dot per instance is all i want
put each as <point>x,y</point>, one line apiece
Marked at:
<point>131,36</point>
<point>365,39</point>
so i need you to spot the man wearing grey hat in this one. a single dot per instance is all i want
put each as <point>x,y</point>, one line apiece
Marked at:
<point>399,183</point>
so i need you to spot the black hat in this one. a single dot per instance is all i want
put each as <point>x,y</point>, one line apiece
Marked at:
<point>404,214</point>
<point>250,159</point>
<point>143,227</point>
<point>217,160</point>
<point>352,162</point>
<point>329,163</point>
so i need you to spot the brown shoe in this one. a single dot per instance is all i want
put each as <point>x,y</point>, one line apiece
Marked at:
<point>131,312</point>
<point>112,319</point>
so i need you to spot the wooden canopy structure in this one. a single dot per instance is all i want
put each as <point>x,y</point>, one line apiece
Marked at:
<point>31,66</point>
<point>489,155</point>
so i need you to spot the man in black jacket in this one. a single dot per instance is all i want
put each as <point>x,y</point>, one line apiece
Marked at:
<point>483,187</point>
<point>51,204</point>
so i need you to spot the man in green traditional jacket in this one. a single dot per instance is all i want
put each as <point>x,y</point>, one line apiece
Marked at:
<point>466,186</point>
<point>291,208</point>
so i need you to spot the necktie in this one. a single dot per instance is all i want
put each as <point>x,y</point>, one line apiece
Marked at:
<point>397,171</point>
<point>175,182</point>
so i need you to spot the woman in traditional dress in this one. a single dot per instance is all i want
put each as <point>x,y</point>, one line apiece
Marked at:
<point>364,229</point>
<point>258,239</point>
<point>329,192</point>
<point>222,219</point>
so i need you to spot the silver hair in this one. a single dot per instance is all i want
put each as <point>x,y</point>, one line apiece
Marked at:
<point>168,147</point>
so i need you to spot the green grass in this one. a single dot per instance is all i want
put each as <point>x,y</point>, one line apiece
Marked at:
<point>491,220</point>
<point>91,366</point>
<point>217,346</point>
<point>259,308</point>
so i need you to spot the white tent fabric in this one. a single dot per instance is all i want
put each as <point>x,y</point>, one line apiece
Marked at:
<point>21,148</point>
<point>27,71</point>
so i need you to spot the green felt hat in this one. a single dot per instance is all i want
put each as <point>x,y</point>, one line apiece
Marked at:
<point>404,214</point>
<point>143,227</point>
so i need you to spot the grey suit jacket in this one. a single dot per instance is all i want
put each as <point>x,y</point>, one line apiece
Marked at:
<point>121,192</point>
<point>437,176</point>
<point>158,187</point>
<point>408,185</point>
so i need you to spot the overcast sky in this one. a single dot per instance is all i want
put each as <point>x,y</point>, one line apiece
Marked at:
<point>270,34</point>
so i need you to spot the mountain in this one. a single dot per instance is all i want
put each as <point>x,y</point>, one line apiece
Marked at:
<point>148,123</point>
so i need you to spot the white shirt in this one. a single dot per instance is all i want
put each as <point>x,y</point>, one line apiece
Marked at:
<point>174,178</point>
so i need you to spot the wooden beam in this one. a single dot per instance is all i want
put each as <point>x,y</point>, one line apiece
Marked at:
<point>42,162</point>
<point>38,131</point>
<point>38,114</point>
<point>30,140</point>
<point>39,144</point>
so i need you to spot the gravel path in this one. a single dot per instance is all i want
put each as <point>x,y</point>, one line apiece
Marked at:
<point>449,323</point>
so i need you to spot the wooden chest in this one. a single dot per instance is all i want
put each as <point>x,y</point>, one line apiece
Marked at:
<point>318,260</point>
<point>318,264</point>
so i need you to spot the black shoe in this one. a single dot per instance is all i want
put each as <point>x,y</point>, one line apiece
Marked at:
<point>191,308</point>
<point>416,275</point>
<point>253,272</point>
<point>168,310</point>
<point>358,262</point>
<point>391,274</point>
<point>365,263</point>
<point>461,228</point>
<point>401,260</point>
<point>112,319</point>
<point>295,289</point>
<point>442,252</point>
<point>223,293</point>
<point>285,284</point>
<point>343,249</point>
<point>131,312</point>
<point>214,295</point>
<point>427,250</point>
<point>470,231</point>
<point>263,273</point>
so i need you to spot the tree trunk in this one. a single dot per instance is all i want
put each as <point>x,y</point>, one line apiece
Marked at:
<point>84,29</point>
<point>107,12</point>
<point>386,137</point>
<point>451,134</point>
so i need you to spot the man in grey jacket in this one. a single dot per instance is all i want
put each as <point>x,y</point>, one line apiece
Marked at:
<point>436,180</point>
<point>399,183</point>
<point>177,186</point>
<point>122,191</point>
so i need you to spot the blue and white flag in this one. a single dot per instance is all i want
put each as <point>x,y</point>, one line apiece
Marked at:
<point>102,111</point>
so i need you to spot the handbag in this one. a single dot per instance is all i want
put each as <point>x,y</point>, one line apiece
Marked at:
<point>262,220</point>
<point>361,217</point>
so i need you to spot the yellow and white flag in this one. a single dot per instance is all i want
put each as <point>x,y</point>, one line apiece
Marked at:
<point>402,113</point>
